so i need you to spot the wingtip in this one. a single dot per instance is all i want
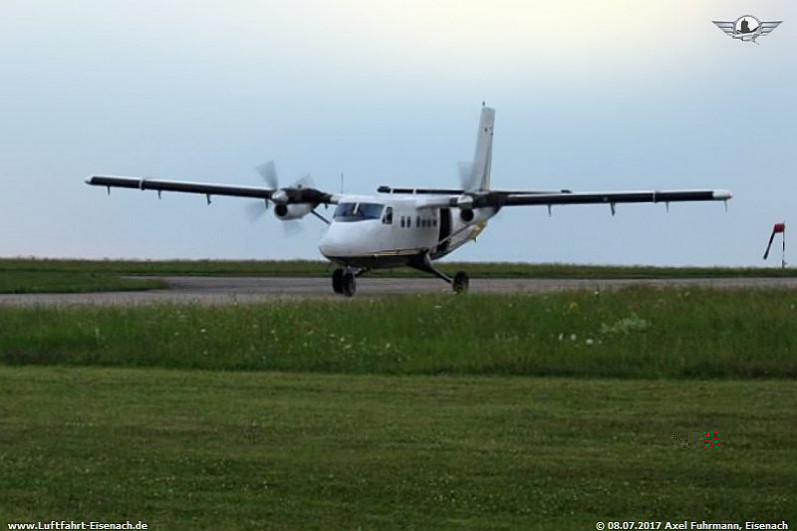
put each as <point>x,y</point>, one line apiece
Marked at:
<point>723,195</point>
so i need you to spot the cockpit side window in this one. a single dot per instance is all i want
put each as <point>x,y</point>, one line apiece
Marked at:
<point>387,219</point>
<point>344,210</point>
<point>347,212</point>
<point>370,210</point>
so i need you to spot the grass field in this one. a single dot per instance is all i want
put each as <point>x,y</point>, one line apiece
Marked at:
<point>40,270</point>
<point>640,332</point>
<point>20,281</point>
<point>409,412</point>
<point>231,450</point>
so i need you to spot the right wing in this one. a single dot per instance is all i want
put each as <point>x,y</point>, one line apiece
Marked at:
<point>288,195</point>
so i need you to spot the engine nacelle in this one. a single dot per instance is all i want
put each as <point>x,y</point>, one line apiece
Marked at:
<point>474,215</point>
<point>293,211</point>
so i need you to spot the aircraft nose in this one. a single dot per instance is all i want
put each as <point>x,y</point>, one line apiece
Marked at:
<point>328,244</point>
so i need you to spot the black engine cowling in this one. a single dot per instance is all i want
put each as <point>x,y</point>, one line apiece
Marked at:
<point>293,211</point>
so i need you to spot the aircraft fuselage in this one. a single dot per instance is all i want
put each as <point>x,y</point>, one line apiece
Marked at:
<point>390,231</point>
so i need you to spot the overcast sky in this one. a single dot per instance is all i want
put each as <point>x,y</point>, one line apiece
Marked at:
<point>606,95</point>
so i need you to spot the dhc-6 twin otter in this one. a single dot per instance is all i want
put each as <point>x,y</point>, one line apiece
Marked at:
<point>405,226</point>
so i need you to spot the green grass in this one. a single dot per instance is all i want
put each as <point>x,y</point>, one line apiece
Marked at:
<point>225,450</point>
<point>631,333</point>
<point>20,281</point>
<point>18,275</point>
<point>432,413</point>
<point>308,268</point>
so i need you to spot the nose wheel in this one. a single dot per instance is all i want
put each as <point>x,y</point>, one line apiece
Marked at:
<point>344,282</point>
<point>337,281</point>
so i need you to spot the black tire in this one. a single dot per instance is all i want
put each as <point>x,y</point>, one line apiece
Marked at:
<point>349,284</point>
<point>461,282</point>
<point>337,280</point>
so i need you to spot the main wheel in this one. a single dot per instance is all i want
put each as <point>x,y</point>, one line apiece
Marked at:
<point>461,282</point>
<point>349,284</point>
<point>337,280</point>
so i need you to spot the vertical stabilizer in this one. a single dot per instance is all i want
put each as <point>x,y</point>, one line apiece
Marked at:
<point>483,157</point>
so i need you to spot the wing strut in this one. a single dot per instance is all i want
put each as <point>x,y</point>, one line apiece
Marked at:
<point>319,216</point>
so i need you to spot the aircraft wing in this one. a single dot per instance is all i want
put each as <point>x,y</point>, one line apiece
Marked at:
<point>500,199</point>
<point>610,198</point>
<point>282,195</point>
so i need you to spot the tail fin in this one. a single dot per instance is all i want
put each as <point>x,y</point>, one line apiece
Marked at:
<point>483,157</point>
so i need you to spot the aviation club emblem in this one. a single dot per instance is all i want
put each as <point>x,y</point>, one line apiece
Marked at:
<point>747,28</point>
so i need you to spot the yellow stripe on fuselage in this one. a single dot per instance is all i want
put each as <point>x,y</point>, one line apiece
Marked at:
<point>480,226</point>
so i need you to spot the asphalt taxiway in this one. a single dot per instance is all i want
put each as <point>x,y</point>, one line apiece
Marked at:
<point>247,290</point>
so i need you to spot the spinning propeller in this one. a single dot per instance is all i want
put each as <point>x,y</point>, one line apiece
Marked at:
<point>287,207</point>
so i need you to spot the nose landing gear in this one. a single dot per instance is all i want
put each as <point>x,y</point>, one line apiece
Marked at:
<point>344,279</point>
<point>344,282</point>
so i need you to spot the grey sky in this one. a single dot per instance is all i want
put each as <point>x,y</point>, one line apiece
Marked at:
<point>589,95</point>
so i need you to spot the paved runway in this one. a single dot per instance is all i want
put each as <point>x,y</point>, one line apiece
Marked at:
<point>225,290</point>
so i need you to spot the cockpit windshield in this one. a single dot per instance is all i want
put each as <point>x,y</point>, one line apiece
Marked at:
<point>358,211</point>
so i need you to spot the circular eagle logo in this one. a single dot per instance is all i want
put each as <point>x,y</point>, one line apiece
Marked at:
<point>746,24</point>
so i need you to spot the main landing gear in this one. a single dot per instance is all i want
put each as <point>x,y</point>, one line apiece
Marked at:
<point>459,283</point>
<point>344,280</point>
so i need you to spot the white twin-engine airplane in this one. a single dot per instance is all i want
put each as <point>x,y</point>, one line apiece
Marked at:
<point>405,226</point>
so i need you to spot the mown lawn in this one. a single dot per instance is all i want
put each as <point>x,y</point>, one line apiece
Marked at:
<point>410,412</point>
<point>16,281</point>
<point>318,268</point>
<point>251,450</point>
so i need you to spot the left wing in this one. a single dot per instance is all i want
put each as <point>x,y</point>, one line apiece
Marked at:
<point>499,199</point>
<point>610,198</point>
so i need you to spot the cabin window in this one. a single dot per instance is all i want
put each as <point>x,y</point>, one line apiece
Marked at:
<point>418,222</point>
<point>358,211</point>
<point>387,219</point>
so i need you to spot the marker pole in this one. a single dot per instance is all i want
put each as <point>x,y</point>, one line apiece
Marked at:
<point>783,256</point>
